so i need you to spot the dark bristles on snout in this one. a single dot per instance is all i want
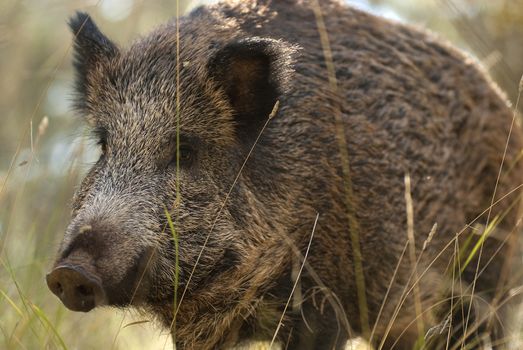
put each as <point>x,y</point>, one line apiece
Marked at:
<point>91,271</point>
<point>78,290</point>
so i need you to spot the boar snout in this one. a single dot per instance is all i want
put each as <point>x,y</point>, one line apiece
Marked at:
<point>100,263</point>
<point>77,289</point>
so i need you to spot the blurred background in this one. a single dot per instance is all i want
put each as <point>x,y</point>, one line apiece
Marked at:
<point>44,151</point>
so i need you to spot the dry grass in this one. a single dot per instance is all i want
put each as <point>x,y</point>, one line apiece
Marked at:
<point>38,174</point>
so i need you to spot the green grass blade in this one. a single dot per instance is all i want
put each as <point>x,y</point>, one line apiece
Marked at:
<point>176,262</point>
<point>488,230</point>
<point>12,303</point>
<point>43,318</point>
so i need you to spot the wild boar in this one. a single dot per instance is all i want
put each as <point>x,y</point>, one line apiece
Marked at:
<point>234,136</point>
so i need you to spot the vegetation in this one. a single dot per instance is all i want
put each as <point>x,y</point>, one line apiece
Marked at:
<point>44,151</point>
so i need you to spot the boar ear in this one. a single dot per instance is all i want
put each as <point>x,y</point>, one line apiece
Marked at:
<point>90,47</point>
<point>254,74</point>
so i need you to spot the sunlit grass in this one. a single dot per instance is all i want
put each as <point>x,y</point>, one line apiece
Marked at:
<point>35,198</point>
<point>33,221</point>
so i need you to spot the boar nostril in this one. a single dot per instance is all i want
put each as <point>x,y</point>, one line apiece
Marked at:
<point>84,290</point>
<point>58,288</point>
<point>78,290</point>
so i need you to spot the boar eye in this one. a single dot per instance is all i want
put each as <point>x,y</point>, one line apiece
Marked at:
<point>186,155</point>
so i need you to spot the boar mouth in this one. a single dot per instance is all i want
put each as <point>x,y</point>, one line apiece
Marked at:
<point>133,288</point>
<point>77,289</point>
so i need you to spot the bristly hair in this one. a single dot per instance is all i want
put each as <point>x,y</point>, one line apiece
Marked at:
<point>91,47</point>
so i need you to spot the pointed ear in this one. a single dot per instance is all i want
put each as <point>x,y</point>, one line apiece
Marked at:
<point>90,48</point>
<point>254,73</point>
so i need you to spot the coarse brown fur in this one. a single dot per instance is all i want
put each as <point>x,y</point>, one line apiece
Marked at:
<point>410,104</point>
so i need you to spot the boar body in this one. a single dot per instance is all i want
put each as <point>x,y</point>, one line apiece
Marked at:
<point>177,114</point>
